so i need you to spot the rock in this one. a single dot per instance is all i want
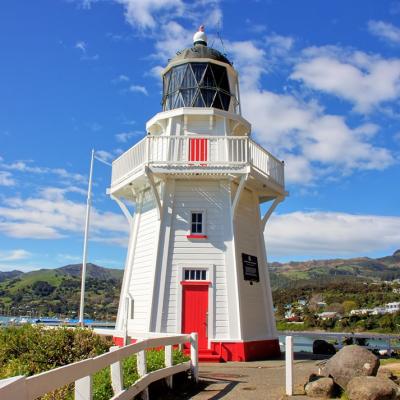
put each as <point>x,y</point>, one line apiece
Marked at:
<point>385,373</point>
<point>349,362</point>
<point>372,388</point>
<point>321,387</point>
<point>323,347</point>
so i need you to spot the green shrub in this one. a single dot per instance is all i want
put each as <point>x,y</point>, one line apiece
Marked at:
<point>28,350</point>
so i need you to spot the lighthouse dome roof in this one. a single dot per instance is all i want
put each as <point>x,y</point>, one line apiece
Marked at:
<point>200,50</point>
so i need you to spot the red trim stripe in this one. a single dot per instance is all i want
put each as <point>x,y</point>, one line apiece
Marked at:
<point>197,236</point>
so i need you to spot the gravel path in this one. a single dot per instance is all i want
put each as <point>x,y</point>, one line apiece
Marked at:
<point>252,380</point>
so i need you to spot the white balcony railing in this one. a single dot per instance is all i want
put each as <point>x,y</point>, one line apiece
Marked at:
<point>201,152</point>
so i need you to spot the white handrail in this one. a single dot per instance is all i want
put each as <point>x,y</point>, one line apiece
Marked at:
<point>80,372</point>
<point>202,152</point>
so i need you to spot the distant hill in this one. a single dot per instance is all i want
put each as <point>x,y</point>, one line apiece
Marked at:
<point>368,269</point>
<point>92,271</point>
<point>57,291</point>
<point>9,275</point>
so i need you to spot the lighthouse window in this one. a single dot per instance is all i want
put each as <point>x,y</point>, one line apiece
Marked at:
<point>195,274</point>
<point>197,84</point>
<point>197,223</point>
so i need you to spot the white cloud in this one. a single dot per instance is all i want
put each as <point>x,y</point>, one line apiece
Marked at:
<point>105,155</point>
<point>330,234</point>
<point>6,179</point>
<point>385,31</point>
<point>14,255</point>
<point>250,60</point>
<point>143,14</point>
<point>27,167</point>
<point>364,80</point>
<point>19,267</point>
<point>81,45</point>
<point>279,45</point>
<point>51,215</point>
<point>121,78</point>
<point>313,143</point>
<point>138,89</point>
<point>123,137</point>
<point>173,37</point>
<point>108,156</point>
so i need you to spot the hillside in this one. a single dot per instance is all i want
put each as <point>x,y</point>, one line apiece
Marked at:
<point>300,273</point>
<point>57,291</point>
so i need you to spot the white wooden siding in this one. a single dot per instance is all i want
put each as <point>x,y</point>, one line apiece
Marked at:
<point>205,195</point>
<point>201,125</point>
<point>143,264</point>
<point>253,311</point>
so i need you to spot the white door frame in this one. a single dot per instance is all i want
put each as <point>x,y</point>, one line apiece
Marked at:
<point>210,268</point>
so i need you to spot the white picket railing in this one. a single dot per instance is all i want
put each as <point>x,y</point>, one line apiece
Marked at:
<point>221,151</point>
<point>81,372</point>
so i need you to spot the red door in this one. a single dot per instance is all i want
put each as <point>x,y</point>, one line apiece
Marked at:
<point>195,310</point>
<point>198,149</point>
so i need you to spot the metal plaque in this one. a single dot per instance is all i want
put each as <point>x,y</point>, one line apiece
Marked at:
<point>250,268</point>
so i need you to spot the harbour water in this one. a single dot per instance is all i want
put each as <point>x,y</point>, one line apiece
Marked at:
<point>301,343</point>
<point>305,343</point>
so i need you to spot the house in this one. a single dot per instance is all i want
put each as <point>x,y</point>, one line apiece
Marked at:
<point>393,307</point>
<point>329,315</point>
<point>361,311</point>
<point>378,311</point>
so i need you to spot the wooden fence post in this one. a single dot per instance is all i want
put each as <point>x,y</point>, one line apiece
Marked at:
<point>289,364</point>
<point>169,362</point>
<point>116,374</point>
<point>83,388</point>
<point>194,355</point>
<point>142,370</point>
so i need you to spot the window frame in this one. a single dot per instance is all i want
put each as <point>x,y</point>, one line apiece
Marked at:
<point>203,233</point>
<point>195,270</point>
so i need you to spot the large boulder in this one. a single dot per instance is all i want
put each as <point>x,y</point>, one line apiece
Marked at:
<point>349,362</point>
<point>372,388</point>
<point>323,347</point>
<point>320,386</point>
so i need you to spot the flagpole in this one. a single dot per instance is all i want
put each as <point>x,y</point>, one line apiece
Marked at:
<point>85,241</point>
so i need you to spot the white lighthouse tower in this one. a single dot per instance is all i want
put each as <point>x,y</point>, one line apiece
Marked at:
<point>196,259</point>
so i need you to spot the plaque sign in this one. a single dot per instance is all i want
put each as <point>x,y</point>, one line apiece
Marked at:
<point>250,268</point>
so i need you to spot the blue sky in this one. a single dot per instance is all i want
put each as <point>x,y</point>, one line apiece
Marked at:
<point>320,83</point>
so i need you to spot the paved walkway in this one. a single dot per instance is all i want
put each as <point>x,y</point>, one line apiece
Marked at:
<point>252,380</point>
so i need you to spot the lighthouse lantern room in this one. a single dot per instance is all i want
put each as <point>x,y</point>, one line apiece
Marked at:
<point>196,259</point>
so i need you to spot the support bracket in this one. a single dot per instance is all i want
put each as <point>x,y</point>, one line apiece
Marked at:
<point>153,187</point>
<point>239,190</point>
<point>124,208</point>
<point>271,209</point>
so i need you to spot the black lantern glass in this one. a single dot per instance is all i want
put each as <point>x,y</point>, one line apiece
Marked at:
<point>196,84</point>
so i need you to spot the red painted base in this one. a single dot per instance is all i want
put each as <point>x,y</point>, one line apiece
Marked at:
<point>119,341</point>
<point>233,351</point>
<point>247,351</point>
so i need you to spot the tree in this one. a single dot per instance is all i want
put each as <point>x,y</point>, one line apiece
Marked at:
<point>335,307</point>
<point>42,288</point>
<point>280,311</point>
<point>349,305</point>
<point>386,322</point>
